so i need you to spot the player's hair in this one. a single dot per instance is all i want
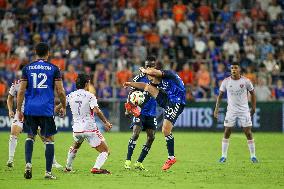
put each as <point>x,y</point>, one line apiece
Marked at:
<point>235,64</point>
<point>42,49</point>
<point>82,80</point>
<point>150,61</point>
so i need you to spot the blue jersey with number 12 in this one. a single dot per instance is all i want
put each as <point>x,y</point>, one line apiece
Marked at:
<point>39,98</point>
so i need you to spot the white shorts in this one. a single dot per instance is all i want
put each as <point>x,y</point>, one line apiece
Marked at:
<point>243,119</point>
<point>16,121</point>
<point>94,137</point>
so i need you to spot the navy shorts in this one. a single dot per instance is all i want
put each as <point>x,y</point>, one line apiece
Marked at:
<point>172,109</point>
<point>145,122</point>
<point>46,125</point>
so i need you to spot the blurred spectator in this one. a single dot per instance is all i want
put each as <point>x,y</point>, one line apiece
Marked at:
<point>101,74</point>
<point>271,64</point>
<point>179,11</point>
<point>250,74</point>
<point>103,91</point>
<point>186,75</point>
<point>69,85</point>
<point>165,24</point>
<point>90,54</point>
<point>62,11</point>
<point>8,22</point>
<point>262,92</point>
<point>250,48</point>
<point>22,50</point>
<point>58,61</point>
<point>123,76</point>
<point>203,78</point>
<point>139,50</point>
<point>13,62</point>
<point>231,48</point>
<point>3,87</point>
<point>205,11</point>
<point>129,11</point>
<point>49,11</point>
<point>146,12</point>
<point>71,74</point>
<point>273,10</point>
<point>279,90</point>
<point>75,60</point>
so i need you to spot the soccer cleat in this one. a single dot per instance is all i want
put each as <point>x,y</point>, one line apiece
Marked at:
<point>134,110</point>
<point>100,171</point>
<point>28,171</point>
<point>10,164</point>
<point>222,160</point>
<point>57,165</point>
<point>127,164</point>
<point>139,166</point>
<point>254,160</point>
<point>68,169</point>
<point>169,163</point>
<point>49,175</point>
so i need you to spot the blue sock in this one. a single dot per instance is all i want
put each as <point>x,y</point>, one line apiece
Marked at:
<point>29,146</point>
<point>145,150</point>
<point>170,144</point>
<point>49,154</point>
<point>131,146</point>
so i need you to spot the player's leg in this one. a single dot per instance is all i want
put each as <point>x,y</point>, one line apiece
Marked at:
<point>16,129</point>
<point>78,140</point>
<point>225,143</point>
<point>97,141</point>
<point>132,141</point>
<point>55,164</point>
<point>146,148</point>
<point>251,143</point>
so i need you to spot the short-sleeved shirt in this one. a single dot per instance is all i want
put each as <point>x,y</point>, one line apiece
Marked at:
<point>237,94</point>
<point>13,91</point>
<point>39,97</point>
<point>82,103</point>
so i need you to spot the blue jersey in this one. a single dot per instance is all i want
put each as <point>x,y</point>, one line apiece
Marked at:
<point>39,96</point>
<point>149,108</point>
<point>173,86</point>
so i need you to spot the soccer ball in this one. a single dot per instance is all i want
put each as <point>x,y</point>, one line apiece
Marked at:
<point>137,98</point>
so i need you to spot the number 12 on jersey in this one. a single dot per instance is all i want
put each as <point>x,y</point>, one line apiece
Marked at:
<point>39,80</point>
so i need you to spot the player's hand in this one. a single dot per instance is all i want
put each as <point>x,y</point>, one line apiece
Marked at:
<point>126,84</point>
<point>108,126</point>
<point>21,115</point>
<point>216,113</point>
<point>62,112</point>
<point>11,114</point>
<point>252,111</point>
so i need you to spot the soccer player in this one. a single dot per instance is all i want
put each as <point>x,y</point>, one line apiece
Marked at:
<point>237,88</point>
<point>38,81</point>
<point>146,121</point>
<point>169,91</point>
<point>83,105</point>
<point>17,126</point>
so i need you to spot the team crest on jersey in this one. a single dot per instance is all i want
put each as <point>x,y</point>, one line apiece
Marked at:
<point>241,85</point>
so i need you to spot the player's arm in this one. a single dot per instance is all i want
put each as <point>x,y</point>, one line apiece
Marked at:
<point>137,85</point>
<point>10,101</point>
<point>61,94</point>
<point>20,98</point>
<point>219,98</point>
<point>253,102</point>
<point>152,72</point>
<point>102,117</point>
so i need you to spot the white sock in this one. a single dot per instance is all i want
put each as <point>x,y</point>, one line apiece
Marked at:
<point>102,157</point>
<point>71,156</point>
<point>12,147</point>
<point>251,146</point>
<point>225,146</point>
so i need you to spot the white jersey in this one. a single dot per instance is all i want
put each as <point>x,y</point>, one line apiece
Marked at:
<point>81,103</point>
<point>14,89</point>
<point>237,93</point>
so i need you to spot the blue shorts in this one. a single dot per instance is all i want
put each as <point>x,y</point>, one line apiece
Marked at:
<point>172,109</point>
<point>46,125</point>
<point>145,122</point>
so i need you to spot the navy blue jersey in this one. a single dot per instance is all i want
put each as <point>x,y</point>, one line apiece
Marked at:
<point>173,86</point>
<point>149,108</point>
<point>39,96</point>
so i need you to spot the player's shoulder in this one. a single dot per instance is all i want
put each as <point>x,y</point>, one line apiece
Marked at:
<point>138,77</point>
<point>245,79</point>
<point>227,79</point>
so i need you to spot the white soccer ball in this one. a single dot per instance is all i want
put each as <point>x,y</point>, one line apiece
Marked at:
<point>137,98</point>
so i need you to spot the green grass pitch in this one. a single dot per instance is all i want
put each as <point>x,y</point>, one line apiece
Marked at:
<point>197,163</point>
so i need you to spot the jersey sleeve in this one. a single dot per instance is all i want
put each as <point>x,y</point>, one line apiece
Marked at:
<point>168,74</point>
<point>24,74</point>
<point>93,102</point>
<point>57,74</point>
<point>249,85</point>
<point>12,90</point>
<point>223,85</point>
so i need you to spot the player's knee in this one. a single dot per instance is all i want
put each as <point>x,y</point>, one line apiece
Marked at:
<point>151,138</point>
<point>135,136</point>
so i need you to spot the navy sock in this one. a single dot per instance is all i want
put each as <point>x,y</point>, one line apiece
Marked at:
<point>29,146</point>
<point>170,144</point>
<point>49,154</point>
<point>131,146</point>
<point>144,152</point>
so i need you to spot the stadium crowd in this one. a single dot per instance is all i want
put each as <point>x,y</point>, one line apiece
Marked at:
<point>110,39</point>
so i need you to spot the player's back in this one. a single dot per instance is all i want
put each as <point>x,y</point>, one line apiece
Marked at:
<point>81,103</point>
<point>174,87</point>
<point>39,97</point>
<point>149,108</point>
